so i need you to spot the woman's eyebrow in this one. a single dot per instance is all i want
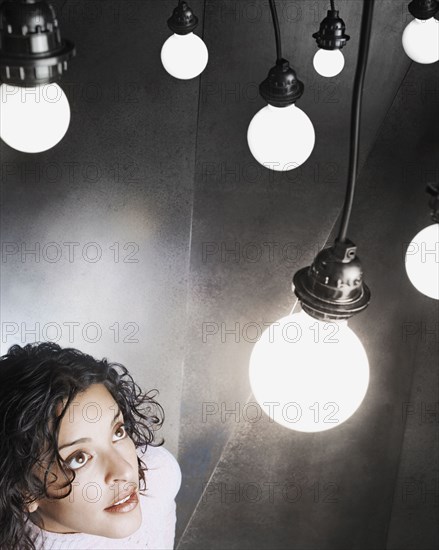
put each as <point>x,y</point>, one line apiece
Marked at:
<point>115,417</point>
<point>87,439</point>
<point>82,440</point>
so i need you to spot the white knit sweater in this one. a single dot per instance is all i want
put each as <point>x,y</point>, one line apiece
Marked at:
<point>157,531</point>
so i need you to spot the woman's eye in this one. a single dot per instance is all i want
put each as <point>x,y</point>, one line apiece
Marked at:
<point>78,460</point>
<point>121,432</point>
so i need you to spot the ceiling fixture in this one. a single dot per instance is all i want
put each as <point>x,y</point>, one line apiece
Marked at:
<point>422,256</point>
<point>281,136</point>
<point>420,38</point>
<point>328,60</point>
<point>34,111</point>
<point>184,55</point>
<point>309,371</point>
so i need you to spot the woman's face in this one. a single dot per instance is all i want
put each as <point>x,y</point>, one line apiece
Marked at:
<point>105,462</point>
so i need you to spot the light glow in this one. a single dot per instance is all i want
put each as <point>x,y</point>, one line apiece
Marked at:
<point>420,40</point>
<point>422,261</point>
<point>184,56</point>
<point>328,63</point>
<point>281,138</point>
<point>34,119</point>
<point>309,375</point>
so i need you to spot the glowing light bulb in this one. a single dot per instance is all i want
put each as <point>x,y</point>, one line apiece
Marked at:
<point>281,138</point>
<point>184,56</point>
<point>422,261</point>
<point>328,62</point>
<point>420,40</point>
<point>34,119</point>
<point>309,375</point>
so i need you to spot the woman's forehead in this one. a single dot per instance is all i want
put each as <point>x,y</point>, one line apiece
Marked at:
<point>95,405</point>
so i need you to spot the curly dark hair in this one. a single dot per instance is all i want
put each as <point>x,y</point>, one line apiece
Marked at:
<point>34,381</point>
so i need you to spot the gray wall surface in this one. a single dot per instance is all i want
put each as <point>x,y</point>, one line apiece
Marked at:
<point>156,176</point>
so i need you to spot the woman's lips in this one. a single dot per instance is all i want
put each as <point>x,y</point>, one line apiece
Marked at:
<point>126,506</point>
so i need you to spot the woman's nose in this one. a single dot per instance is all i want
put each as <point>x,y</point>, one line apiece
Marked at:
<point>117,468</point>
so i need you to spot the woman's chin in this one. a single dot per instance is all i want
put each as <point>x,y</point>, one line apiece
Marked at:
<point>122,526</point>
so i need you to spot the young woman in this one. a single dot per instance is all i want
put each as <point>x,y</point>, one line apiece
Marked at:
<point>79,464</point>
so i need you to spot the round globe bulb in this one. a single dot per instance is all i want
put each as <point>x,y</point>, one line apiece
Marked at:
<point>34,119</point>
<point>328,62</point>
<point>422,261</point>
<point>281,138</point>
<point>420,40</point>
<point>309,375</point>
<point>184,56</point>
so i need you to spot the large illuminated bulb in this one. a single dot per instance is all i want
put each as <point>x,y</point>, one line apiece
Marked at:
<point>420,40</point>
<point>33,119</point>
<point>184,55</point>
<point>281,138</point>
<point>309,375</point>
<point>328,62</point>
<point>422,261</point>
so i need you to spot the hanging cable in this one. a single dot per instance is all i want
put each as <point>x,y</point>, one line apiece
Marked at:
<point>332,5</point>
<point>332,288</point>
<point>366,26</point>
<point>276,30</point>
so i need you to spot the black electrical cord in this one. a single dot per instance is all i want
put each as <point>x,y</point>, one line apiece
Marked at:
<point>366,25</point>
<point>276,30</point>
<point>332,5</point>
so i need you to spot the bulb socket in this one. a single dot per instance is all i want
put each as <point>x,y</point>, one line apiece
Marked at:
<point>281,88</point>
<point>32,51</point>
<point>332,288</point>
<point>182,21</point>
<point>331,35</point>
<point>423,9</point>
